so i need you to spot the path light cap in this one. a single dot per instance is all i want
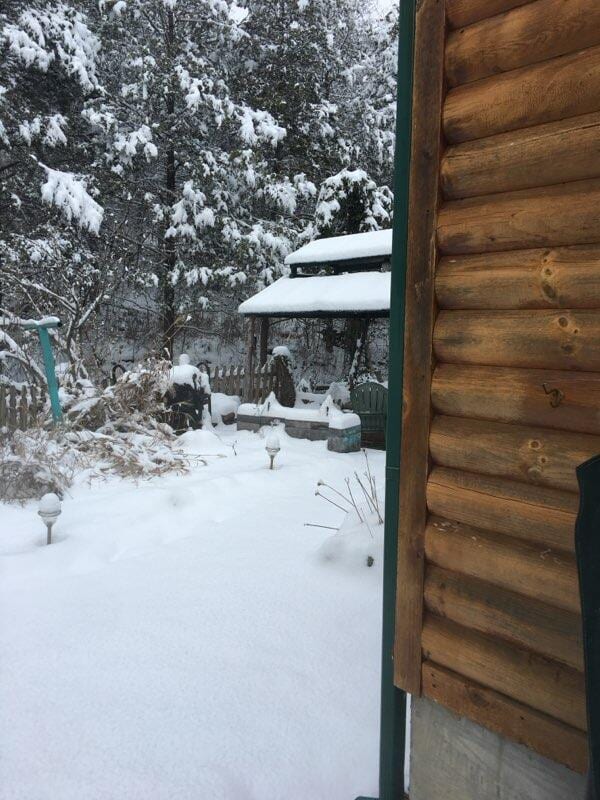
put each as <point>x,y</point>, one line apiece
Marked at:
<point>273,442</point>
<point>50,507</point>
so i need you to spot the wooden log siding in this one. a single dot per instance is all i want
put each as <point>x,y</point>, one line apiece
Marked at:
<point>535,455</point>
<point>532,570</point>
<point>522,36</point>
<point>567,150</point>
<point>561,339</point>
<point>465,12</point>
<point>498,612</point>
<point>550,398</point>
<point>520,510</point>
<point>547,217</point>
<point>545,685</point>
<point>515,393</point>
<point>563,277</point>
<point>557,89</point>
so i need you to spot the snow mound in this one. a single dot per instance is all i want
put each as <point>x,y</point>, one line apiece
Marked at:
<point>356,546</point>
<point>222,405</point>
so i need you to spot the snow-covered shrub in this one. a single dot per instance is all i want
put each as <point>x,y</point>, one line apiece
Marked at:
<point>33,463</point>
<point>118,430</point>
<point>134,404</point>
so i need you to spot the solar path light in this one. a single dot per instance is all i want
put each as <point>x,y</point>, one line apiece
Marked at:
<point>49,511</point>
<point>272,447</point>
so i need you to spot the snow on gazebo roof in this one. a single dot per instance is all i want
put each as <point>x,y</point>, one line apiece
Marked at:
<point>351,294</point>
<point>368,247</point>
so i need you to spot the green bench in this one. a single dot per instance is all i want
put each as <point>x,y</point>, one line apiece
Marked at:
<point>369,401</point>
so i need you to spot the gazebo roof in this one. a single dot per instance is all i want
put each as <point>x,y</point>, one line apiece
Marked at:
<point>361,291</point>
<point>373,247</point>
<point>355,294</point>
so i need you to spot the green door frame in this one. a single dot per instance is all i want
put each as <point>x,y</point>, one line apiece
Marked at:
<point>393,700</point>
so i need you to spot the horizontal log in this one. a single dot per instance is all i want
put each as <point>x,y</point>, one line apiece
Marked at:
<point>539,339</point>
<point>558,152</point>
<point>525,622</point>
<point>562,87</point>
<point>531,570</point>
<point>565,400</point>
<point>496,712</point>
<point>534,514</point>
<point>465,12</point>
<point>537,455</point>
<point>524,35</point>
<point>548,217</point>
<point>540,683</point>
<point>564,277</point>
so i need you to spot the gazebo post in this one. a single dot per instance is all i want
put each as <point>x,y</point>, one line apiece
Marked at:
<point>249,376</point>
<point>264,341</point>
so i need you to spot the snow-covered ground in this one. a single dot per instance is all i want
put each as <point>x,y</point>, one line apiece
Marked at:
<point>184,639</point>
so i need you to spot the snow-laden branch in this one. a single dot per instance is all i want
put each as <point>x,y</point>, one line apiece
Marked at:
<point>69,193</point>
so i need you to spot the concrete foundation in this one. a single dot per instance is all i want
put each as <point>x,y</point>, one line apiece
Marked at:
<point>452,758</point>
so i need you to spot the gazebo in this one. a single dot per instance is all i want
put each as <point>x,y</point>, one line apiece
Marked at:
<point>337,277</point>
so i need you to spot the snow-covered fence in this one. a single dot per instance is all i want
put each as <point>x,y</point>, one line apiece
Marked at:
<point>20,408</point>
<point>232,381</point>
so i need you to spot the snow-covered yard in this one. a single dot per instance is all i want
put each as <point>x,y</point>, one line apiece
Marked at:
<point>184,640</point>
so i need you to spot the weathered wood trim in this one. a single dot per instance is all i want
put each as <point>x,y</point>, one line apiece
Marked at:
<point>545,685</point>
<point>552,216</point>
<point>564,400</point>
<point>563,277</point>
<point>557,152</point>
<point>466,12</point>
<point>562,87</point>
<point>531,570</point>
<point>481,605</point>
<point>563,339</point>
<point>548,737</point>
<point>532,513</point>
<point>524,35</point>
<point>420,312</point>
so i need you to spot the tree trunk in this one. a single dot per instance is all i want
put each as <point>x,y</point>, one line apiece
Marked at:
<point>170,252</point>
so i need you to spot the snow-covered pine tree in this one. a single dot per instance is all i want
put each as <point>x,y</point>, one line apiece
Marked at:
<point>50,215</point>
<point>185,152</point>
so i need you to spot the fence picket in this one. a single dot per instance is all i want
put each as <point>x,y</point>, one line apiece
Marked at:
<point>23,410</point>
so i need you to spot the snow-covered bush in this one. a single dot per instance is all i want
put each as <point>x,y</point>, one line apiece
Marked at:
<point>33,463</point>
<point>118,430</point>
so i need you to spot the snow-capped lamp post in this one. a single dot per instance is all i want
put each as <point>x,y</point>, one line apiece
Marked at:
<point>272,447</point>
<point>42,326</point>
<point>49,511</point>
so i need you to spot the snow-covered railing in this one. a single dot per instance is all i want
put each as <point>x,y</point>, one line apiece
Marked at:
<point>20,408</point>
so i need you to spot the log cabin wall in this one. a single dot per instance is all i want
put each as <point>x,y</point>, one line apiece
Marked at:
<point>502,363</point>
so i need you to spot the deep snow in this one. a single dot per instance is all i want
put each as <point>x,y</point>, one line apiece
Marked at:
<point>184,639</point>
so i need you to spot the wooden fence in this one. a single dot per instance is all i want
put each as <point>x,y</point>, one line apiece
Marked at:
<point>19,409</point>
<point>232,381</point>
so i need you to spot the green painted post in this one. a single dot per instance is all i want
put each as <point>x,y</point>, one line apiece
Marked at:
<point>393,700</point>
<point>42,328</point>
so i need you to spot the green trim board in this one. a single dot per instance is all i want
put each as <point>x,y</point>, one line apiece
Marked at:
<point>393,700</point>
